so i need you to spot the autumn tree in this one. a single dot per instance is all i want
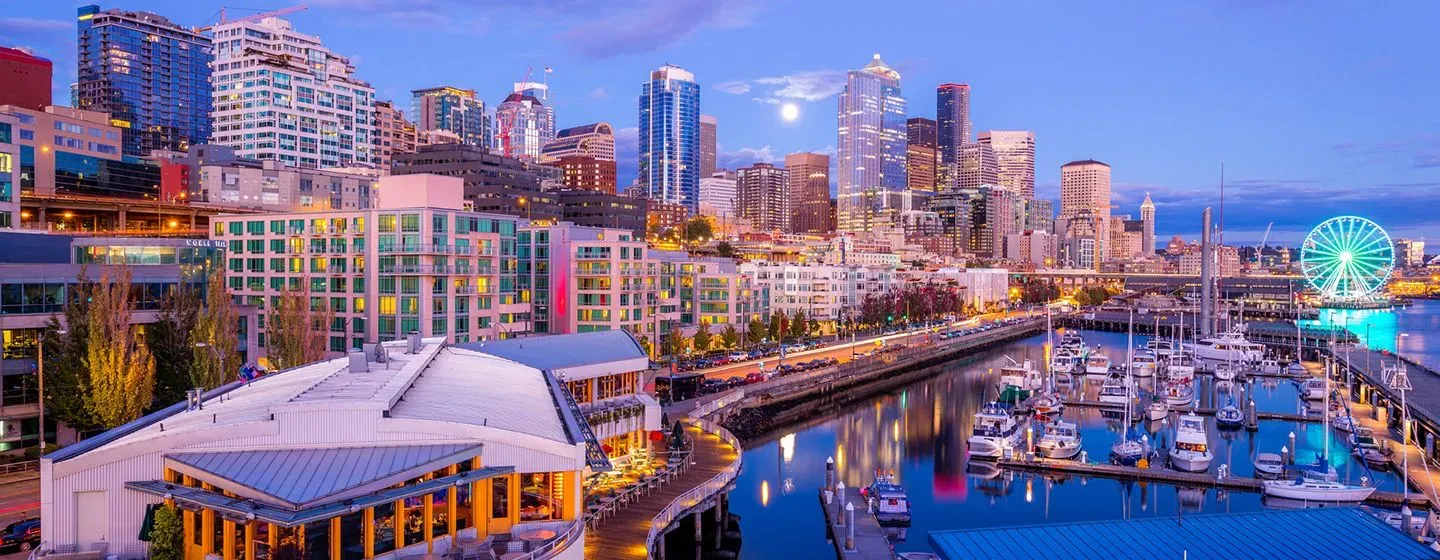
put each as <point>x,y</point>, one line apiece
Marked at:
<point>798,324</point>
<point>756,331</point>
<point>122,371</point>
<point>702,337</point>
<point>169,340</point>
<point>729,337</point>
<point>215,337</point>
<point>296,330</point>
<point>67,374</point>
<point>674,342</point>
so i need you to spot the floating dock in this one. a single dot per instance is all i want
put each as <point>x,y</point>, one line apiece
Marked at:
<point>1261,415</point>
<point>869,542</point>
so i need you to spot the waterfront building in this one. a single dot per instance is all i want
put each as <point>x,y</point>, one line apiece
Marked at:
<point>26,78</point>
<point>828,293</point>
<point>319,114</point>
<point>1409,253</point>
<point>446,109</point>
<point>1038,248</point>
<point>952,116</point>
<point>151,77</point>
<point>983,287</point>
<point>717,195</point>
<point>976,167</point>
<point>416,262</point>
<point>585,279</point>
<point>433,444</point>
<point>1227,259</point>
<point>1085,186</point>
<point>587,173</point>
<point>595,140</point>
<point>871,147</point>
<point>1014,159</point>
<point>1147,219</point>
<point>669,137</point>
<point>809,187</point>
<point>762,196</point>
<point>523,125</point>
<point>393,135</point>
<point>709,127</point>
<point>493,184</point>
<point>604,210</point>
<point>709,290</point>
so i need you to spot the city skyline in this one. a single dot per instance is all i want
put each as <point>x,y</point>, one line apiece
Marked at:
<point>1165,116</point>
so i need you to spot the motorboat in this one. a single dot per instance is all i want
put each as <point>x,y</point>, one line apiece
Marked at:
<point>1061,441</point>
<point>1062,361</point>
<point>1143,363</point>
<point>1072,341</point>
<point>1396,519</point>
<point>1018,381</point>
<point>1097,364</point>
<point>1115,391</point>
<point>1316,490</point>
<point>1157,409</point>
<point>1161,347</point>
<point>1295,368</point>
<point>1269,465</point>
<point>1047,404</point>
<point>1179,393</point>
<point>1314,389</point>
<point>995,433</point>
<point>1191,450</point>
<point>1345,423</point>
<point>1229,416</point>
<point>1225,371</point>
<point>1269,366</point>
<point>1368,449</point>
<point>1128,452</point>
<point>1229,346</point>
<point>888,501</point>
<point>1180,366</point>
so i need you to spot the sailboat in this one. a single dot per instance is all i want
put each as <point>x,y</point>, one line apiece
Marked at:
<point>1126,451</point>
<point>1295,367</point>
<point>1191,450</point>
<point>1318,489</point>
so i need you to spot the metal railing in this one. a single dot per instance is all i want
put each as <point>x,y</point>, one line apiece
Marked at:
<point>22,466</point>
<point>697,495</point>
<point>558,544</point>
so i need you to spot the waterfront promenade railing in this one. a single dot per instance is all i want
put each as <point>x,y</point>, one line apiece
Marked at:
<point>697,495</point>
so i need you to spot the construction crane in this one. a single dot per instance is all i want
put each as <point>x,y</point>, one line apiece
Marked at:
<point>507,121</point>
<point>1260,249</point>
<point>257,16</point>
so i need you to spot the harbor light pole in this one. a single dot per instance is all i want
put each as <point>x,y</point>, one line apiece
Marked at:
<point>1400,382</point>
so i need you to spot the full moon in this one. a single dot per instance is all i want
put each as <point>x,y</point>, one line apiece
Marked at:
<point>789,112</point>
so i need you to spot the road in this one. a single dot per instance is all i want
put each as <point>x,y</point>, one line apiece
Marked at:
<point>19,499</point>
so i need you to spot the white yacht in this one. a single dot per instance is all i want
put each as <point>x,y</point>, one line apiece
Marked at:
<point>1269,366</point>
<point>1114,392</point>
<point>1228,346</point>
<point>1064,360</point>
<point>1072,340</point>
<point>1191,450</point>
<point>1269,465</point>
<point>1161,347</point>
<point>1019,381</point>
<point>1314,389</point>
<point>1097,364</point>
<point>1157,409</point>
<point>1179,393</point>
<point>1226,371</point>
<point>1181,367</point>
<point>1143,363</point>
<point>1061,441</point>
<point>1316,490</point>
<point>995,431</point>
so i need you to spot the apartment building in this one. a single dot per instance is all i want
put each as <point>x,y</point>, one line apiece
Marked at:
<point>713,291</point>
<point>824,292</point>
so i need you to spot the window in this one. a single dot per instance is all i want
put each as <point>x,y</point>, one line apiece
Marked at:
<point>384,528</point>
<point>410,223</point>
<point>540,496</point>
<point>352,536</point>
<point>463,505</point>
<point>439,513</point>
<point>414,519</point>
<point>499,498</point>
<point>317,540</point>
<point>387,223</point>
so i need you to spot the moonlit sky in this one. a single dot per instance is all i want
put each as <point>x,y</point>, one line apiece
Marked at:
<point>1315,108</point>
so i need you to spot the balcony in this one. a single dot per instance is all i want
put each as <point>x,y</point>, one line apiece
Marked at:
<point>404,269</point>
<point>592,271</point>
<point>417,249</point>
<point>465,291</point>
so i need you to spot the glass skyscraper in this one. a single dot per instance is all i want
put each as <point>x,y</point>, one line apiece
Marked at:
<point>871,147</point>
<point>151,75</point>
<point>453,110</point>
<point>670,137</point>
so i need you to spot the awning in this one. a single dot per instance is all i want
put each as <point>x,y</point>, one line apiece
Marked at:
<point>242,508</point>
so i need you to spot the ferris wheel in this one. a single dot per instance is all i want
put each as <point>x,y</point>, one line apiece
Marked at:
<point>1347,257</point>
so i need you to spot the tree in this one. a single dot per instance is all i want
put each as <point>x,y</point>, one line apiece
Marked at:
<point>674,342</point>
<point>730,337</point>
<point>296,333</point>
<point>122,371</point>
<point>67,374</point>
<point>169,339</point>
<point>213,342</point>
<point>167,536</point>
<point>776,329</point>
<point>725,249</point>
<point>702,337</point>
<point>698,229</point>
<point>815,328</point>
<point>798,324</point>
<point>756,331</point>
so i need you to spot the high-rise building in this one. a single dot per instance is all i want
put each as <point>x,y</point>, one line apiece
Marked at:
<point>809,193</point>
<point>494,184</point>
<point>587,173</point>
<point>453,110</point>
<point>594,140</point>
<point>523,125</point>
<point>1014,159</point>
<point>956,212</point>
<point>393,135</point>
<point>762,196</point>
<point>1039,214</point>
<point>319,113</point>
<point>999,222</point>
<point>976,167</point>
<point>26,78</point>
<point>952,118</point>
<point>1147,219</point>
<point>921,131</point>
<point>717,195</point>
<point>151,76</point>
<point>709,126</point>
<point>1409,253</point>
<point>920,155</point>
<point>871,145</point>
<point>604,210</point>
<point>669,138</point>
<point>1085,185</point>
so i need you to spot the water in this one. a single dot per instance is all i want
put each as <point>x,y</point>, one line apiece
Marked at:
<point>919,433</point>
<point>1381,329</point>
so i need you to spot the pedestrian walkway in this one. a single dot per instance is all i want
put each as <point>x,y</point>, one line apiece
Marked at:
<point>623,535</point>
<point>1423,477</point>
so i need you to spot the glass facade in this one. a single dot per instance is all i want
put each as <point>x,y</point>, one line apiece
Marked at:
<point>670,137</point>
<point>872,128</point>
<point>453,110</point>
<point>80,174</point>
<point>150,75</point>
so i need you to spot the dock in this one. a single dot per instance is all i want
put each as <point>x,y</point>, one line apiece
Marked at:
<point>1260,415</point>
<point>1168,476</point>
<point>869,543</point>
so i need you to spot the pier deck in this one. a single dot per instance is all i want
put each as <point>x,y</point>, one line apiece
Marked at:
<point>870,540</point>
<point>1262,415</point>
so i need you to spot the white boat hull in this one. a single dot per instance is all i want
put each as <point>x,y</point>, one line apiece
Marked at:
<point>1097,370</point>
<point>1058,450</point>
<point>989,448</point>
<point>1316,493</point>
<point>1191,462</point>
<point>1157,412</point>
<point>1225,374</point>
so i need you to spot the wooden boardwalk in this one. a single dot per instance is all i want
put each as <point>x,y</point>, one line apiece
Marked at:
<point>870,540</point>
<point>623,535</point>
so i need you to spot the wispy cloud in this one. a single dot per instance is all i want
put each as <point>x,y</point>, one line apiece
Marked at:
<point>24,26</point>
<point>599,93</point>
<point>646,28</point>
<point>745,157</point>
<point>735,87</point>
<point>806,85</point>
<point>1422,152</point>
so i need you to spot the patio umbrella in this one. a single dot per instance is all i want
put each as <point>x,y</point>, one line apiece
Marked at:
<point>677,434</point>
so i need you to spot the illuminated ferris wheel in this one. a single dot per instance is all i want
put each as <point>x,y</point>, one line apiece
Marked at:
<point>1347,257</point>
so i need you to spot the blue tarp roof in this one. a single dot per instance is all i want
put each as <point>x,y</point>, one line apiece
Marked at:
<point>562,351</point>
<point>1333,532</point>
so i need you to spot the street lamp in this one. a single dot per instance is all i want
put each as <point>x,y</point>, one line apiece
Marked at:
<point>40,373</point>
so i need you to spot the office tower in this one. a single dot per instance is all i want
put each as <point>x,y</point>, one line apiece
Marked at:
<point>587,173</point>
<point>717,195</point>
<point>452,110</point>
<point>669,139</point>
<point>1085,185</point>
<point>594,140</point>
<point>708,128</point>
<point>921,131</point>
<point>871,145</point>
<point>920,155</point>
<point>523,124</point>
<point>494,184</point>
<point>1147,219</point>
<point>26,78</point>
<point>67,151</point>
<point>809,193</point>
<point>762,196</point>
<point>976,167</point>
<point>1014,159</point>
<point>999,220</point>
<point>955,209</point>
<point>952,120</point>
<point>319,115</point>
<point>150,75</point>
<point>1039,214</point>
<point>1409,253</point>
<point>606,210</point>
<point>1081,244</point>
<point>393,135</point>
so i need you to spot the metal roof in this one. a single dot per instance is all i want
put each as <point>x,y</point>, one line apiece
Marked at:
<point>300,478</point>
<point>556,352</point>
<point>1333,532</point>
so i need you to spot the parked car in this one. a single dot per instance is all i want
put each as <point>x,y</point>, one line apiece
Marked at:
<point>21,535</point>
<point>738,356</point>
<point>755,377</point>
<point>757,353</point>
<point>714,386</point>
<point>735,381</point>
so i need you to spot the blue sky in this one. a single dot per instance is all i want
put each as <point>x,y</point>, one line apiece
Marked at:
<point>1315,108</point>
